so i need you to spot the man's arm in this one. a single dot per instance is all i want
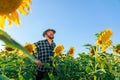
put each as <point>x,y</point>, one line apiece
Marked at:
<point>38,62</point>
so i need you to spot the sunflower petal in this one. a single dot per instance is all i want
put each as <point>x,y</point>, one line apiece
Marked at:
<point>9,18</point>
<point>26,5</point>
<point>2,21</point>
<point>15,17</point>
<point>22,10</point>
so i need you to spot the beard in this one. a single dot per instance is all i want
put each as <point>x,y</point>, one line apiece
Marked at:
<point>50,37</point>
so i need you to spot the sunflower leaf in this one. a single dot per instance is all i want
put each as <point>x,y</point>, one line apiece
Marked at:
<point>12,43</point>
<point>87,45</point>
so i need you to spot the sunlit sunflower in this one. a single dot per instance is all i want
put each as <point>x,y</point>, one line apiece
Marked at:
<point>116,49</point>
<point>63,56</point>
<point>71,52</point>
<point>99,41</point>
<point>2,53</point>
<point>9,10</point>
<point>92,52</point>
<point>58,50</point>
<point>117,59</point>
<point>21,54</point>
<point>9,49</point>
<point>104,37</point>
<point>106,45</point>
<point>30,47</point>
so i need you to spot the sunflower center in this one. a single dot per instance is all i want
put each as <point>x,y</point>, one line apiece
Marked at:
<point>8,6</point>
<point>9,49</point>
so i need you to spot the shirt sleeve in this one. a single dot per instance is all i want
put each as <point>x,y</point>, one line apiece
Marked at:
<point>37,44</point>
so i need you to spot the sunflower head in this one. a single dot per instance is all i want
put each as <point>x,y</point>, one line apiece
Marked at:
<point>30,47</point>
<point>116,49</point>
<point>9,10</point>
<point>63,56</point>
<point>58,50</point>
<point>9,49</point>
<point>92,52</point>
<point>2,53</point>
<point>104,37</point>
<point>106,45</point>
<point>6,6</point>
<point>71,52</point>
<point>99,42</point>
<point>21,54</point>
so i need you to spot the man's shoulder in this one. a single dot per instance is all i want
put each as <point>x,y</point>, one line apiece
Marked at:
<point>40,41</point>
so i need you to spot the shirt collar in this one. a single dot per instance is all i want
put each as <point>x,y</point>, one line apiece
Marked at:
<point>48,42</point>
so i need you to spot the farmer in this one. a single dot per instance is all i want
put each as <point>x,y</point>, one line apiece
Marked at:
<point>44,50</point>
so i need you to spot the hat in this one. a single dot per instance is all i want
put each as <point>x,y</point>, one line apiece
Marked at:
<point>47,31</point>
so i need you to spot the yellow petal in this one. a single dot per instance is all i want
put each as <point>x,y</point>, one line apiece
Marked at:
<point>15,17</point>
<point>2,21</point>
<point>26,5</point>
<point>9,18</point>
<point>22,10</point>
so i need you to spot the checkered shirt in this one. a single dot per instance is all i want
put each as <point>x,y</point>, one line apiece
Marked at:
<point>44,50</point>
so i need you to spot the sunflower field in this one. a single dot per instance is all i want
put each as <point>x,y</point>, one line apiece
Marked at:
<point>98,64</point>
<point>18,62</point>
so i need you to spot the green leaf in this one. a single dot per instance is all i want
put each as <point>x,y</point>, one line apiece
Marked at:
<point>88,69</point>
<point>21,77</point>
<point>47,65</point>
<point>51,76</point>
<point>83,55</point>
<point>97,34</point>
<point>3,77</point>
<point>12,43</point>
<point>87,45</point>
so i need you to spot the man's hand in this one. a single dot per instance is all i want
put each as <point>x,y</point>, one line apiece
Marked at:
<point>38,62</point>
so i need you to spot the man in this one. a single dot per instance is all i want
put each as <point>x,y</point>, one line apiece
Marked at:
<point>44,50</point>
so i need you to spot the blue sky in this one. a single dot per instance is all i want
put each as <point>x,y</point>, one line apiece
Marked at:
<point>76,21</point>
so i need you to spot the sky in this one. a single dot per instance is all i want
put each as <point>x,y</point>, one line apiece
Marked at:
<point>75,22</point>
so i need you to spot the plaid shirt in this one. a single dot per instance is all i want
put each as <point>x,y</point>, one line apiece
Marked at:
<point>44,50</point>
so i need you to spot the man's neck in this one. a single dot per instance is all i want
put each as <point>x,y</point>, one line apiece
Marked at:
<point>50,41</point>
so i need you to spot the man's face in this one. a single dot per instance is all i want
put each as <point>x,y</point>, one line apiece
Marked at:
<point>50,35</point>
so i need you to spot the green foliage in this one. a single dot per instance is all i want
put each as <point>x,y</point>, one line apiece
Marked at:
<point>85,67</point>
<point>100,66</point>
<point>16,67</point>
<point>13,66</point>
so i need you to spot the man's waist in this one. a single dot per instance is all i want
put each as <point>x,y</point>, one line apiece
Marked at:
<point>43,69</point>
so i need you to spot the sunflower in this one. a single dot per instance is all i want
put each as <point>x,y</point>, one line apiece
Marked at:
<point>71,51</point>
<point>2,53</point>
<point>9,10</point>
<point>104,37</point>
<point>9,49</point>
<point>106,45</point>
<point>58,50</point>
<point>117,59</point>
<point>63,56</point>
<point>116,49</point>
<point>92,52</point>
<point>21,54</point>
<point>99,42</point>
<point>30,47</point>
